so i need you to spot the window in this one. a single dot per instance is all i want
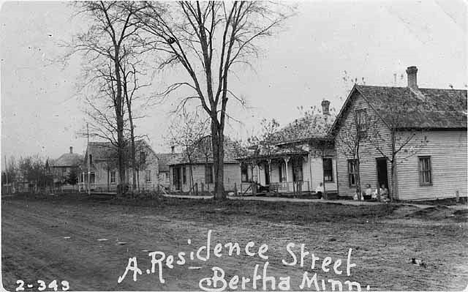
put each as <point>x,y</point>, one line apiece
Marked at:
<point>148,175</point>
<point>425,171</point>
<point>209,174</point>
<point>328,169</point>
<point>112,177</point>
<point>142,157</point>
<point>184,175</point>
<point>92,178</point>
<point>352,172</point>
<point>361,122</point>
<point>90,159</point>
<point>244,173</point>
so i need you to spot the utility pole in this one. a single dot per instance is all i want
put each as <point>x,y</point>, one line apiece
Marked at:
<point>88,164</point>
<point>6,176</point>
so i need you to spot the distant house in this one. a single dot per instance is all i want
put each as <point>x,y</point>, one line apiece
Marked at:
<point>103,167</point>
<point>63,166</point>
<point>164,171</point>
<point>300,158</point>
<point>200,164</point>
<point>428,128</point>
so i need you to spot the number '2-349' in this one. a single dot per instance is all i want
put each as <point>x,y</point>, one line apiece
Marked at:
<point>42,285</point>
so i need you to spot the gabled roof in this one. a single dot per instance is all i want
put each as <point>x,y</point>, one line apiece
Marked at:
<point>314,126</point>
<point>203,153</point>
<point>106,151</point>
<point>165,158</point>
<point>67,160</point>
<point>427,108</point>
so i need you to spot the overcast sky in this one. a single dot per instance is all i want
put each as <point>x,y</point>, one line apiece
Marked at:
<point>304,64</point>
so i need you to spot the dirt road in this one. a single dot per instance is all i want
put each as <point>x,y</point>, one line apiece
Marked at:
<point>90,244</point>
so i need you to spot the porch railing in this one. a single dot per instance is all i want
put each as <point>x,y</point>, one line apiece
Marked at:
<point>294,188</point>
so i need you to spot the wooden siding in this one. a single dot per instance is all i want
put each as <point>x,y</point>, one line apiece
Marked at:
<point>368,152</point>
<point>102,174</point>
<point>232,177</point>
<point>448,152</point>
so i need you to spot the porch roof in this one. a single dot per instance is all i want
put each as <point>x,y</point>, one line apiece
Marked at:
<point>274,153</point>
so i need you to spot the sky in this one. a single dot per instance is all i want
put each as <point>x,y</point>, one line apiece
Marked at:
<point>304,63</point>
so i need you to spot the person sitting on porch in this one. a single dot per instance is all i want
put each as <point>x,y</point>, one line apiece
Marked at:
<point>319,190</point>
<point>384,193</point>
<point>367,194</point>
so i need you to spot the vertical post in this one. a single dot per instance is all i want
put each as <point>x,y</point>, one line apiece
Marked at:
<point>88,164</point>
<point>6,176</point>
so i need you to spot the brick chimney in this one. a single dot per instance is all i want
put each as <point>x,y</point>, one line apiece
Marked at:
<point>326,107</point>
<point>412,73</point>
<point>71,150</point>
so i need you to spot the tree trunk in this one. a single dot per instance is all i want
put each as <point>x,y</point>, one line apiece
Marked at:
<point>120,122</point>
<point>218,161</point>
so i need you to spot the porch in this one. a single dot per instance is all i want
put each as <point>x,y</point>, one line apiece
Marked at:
<point>280,173</point>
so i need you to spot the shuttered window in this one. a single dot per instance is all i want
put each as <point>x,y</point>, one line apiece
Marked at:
<point>425,171</point>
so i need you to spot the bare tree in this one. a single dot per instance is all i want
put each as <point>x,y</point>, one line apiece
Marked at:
<point>208,39</point>
<point>350,138</point>
<point>187,131</point>
<point>265,143</point>
<point>107,45</point>
<point>397,142</point>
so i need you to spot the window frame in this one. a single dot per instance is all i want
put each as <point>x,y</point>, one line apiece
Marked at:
<point>425,173</point>
<point>209,174</point>
<point>148,175</point>
<point>352,163</point>
<point>361,121</point>
<point>142,157</point>
<point>112,177</point>
<point>332,177</point>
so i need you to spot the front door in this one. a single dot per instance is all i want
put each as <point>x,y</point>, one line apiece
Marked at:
<point>382,174</point>
<point>267,174</point>
<point>176,178</point>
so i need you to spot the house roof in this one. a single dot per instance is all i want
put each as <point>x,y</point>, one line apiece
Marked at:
<point>105,151</point>
<point>165,158</point>
<point>203,153</point>
<point>424,108</point>
<point>274,152</point>
<point>102,151</point>
<point>312,126</point>
<point>67,160</point>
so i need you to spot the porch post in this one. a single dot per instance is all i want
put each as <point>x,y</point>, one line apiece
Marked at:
<point>269,172</point>
<point>286,160</point>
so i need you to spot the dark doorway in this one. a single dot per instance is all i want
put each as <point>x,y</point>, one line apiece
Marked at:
<point>176,175</point>
<point>267,174</point>
<point>382,174</point>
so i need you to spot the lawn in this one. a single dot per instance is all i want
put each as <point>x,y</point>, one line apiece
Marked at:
<point>88,243</point>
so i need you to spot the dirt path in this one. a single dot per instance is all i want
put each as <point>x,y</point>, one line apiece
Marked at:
<point>55,240</point>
